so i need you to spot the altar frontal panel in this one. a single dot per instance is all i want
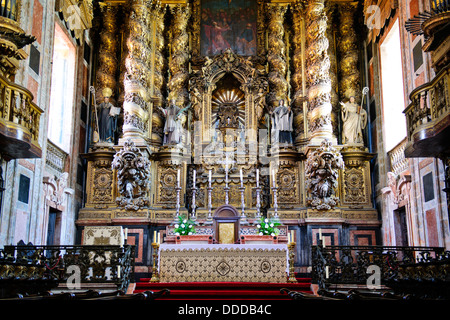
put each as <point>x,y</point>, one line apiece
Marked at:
<point>223,263</point>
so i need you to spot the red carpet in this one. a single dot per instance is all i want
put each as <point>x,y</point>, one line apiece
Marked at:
<point>224,290</point>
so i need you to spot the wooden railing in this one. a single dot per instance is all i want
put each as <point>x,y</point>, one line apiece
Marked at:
<point>429,102</point>
<point>69,264</point>
<point>19,115</point>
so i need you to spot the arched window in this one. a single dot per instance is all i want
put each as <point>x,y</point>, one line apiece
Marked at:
<point>393,96</point>
<point>62,90</point>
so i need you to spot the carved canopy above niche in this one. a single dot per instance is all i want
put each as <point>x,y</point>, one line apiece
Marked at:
<point>203,83</point>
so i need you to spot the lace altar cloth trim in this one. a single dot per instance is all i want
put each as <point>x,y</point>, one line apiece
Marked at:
<point>223,263</point>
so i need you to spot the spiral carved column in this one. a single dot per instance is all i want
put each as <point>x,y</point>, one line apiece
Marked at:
<point>158,62</point>
<point>158,77</point>
<point>348,50</point>
<point>107,64</point>
<point>330,9</point>
<point>277,54</point>
<point>137,74</point>
<point>297,62</point>
<point>178,66</point>
<point>318,75</point>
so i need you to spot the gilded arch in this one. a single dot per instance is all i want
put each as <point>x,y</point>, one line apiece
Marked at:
<point>202,84</point>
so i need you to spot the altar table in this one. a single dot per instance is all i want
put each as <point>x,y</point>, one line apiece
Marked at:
<point>223,263</point>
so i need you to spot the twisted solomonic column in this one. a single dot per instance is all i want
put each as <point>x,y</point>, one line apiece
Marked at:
<point>178,66</point>
<point>348,50</point>
<point>277,54</point>
<point>107,61</point>
<point>317,74</point>
<point>330,9</point>
<point>137,73</point>
<point>158,43</point>
<point>298,11</point>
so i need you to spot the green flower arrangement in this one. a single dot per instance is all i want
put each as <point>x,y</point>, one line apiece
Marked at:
<point>268,226</point>
<point>184,227</point>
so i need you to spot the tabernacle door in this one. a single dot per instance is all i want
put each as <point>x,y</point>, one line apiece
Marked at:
<point>226,224</point>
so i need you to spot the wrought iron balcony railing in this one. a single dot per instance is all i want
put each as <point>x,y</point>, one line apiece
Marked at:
<point>86,264</point>
<point>19,121</point>
<point>428,117</point>
<point>353,264</point>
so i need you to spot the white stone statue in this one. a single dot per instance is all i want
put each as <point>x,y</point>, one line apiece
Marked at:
<point>282,124</point>
<point>354,120</point>
<point>173,126</point>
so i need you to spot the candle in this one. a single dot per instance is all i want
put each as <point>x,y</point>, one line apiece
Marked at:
<point>257,177</point>
<point>159,238</point>
<point>273,177</point>
<point>320,234</point>
<point>289,238</point>
<point>178,178</point>
<point>125,234</point>
<point>242,179</point>
<point>154,236</point>
<point>195,174</point>
<point>118,271</point>
<point>209,178</point>
<point>292,235</point>
<point>326,272</point>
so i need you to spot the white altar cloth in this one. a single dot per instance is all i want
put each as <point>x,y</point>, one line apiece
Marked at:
<point>223,262</point>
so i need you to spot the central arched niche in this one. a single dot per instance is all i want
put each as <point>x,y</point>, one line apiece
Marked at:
<point>228,107</point>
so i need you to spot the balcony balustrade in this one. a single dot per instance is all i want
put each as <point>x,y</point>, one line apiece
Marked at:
<point>428,118</point>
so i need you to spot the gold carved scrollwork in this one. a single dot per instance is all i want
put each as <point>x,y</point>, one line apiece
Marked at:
<point>356,187</point>
<point>102,183</point>
<point>288,187</point>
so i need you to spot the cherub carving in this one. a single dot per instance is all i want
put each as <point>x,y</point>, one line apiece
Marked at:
<point>133,171</point>
<point>322,172</point>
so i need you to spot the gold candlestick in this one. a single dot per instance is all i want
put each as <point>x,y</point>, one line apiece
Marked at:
<point>291,278</point>
<point>155,273</point>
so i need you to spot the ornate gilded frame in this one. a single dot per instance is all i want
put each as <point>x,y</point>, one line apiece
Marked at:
<point>196,23</point>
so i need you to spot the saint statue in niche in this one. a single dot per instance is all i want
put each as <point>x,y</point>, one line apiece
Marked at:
<point>354,120</point>
<point>173,125</point>
<point>107,121</point>
<point>282,124</point>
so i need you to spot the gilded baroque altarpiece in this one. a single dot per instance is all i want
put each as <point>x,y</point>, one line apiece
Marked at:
<point>224,68</point>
